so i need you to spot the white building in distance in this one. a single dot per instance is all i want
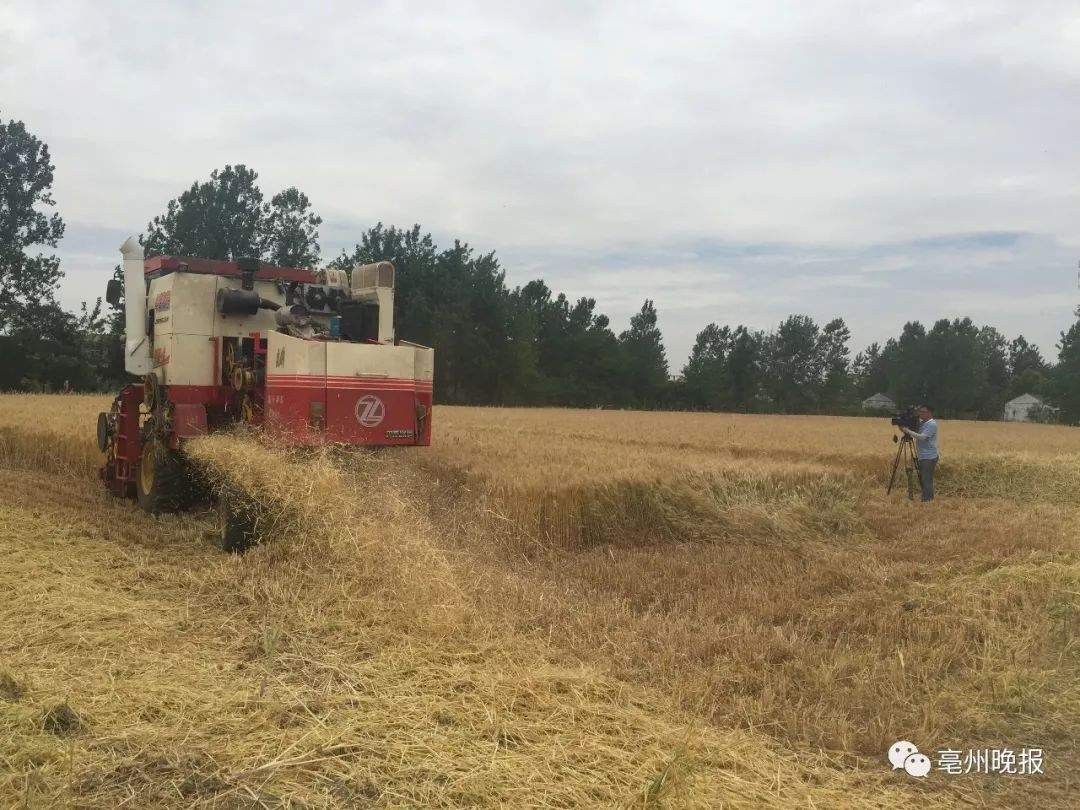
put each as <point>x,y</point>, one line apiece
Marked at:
<point>878,402</point>
<point>1019,409</point>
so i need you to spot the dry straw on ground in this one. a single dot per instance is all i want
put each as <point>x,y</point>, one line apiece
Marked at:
<point>516,615</point>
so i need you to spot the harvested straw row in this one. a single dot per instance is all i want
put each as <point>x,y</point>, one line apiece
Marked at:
<point>741,503</point>
<point>196,679</point>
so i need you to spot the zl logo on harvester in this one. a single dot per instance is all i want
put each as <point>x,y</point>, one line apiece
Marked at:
<point>370,410</point>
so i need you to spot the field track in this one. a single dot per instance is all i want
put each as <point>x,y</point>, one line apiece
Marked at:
<point>546,608</point>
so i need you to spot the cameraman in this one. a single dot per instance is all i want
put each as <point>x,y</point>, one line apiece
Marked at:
<point>926,450</point>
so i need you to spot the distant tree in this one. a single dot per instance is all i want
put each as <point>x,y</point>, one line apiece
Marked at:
<point>599,371</point>
<point>906,358</point>
<point>871,371</point>
<point>794,365</point>
<point>954,368</point>
<point>545,322</point>
<point>1028,371</point>
<point>520,379</point>
<point>1024,356</point>
<point>836,382</point>
<point>48,349</point>
<point>578,357</point>
<point>745,367</point>
<point>993,390</point>
<point>964,370</point>
<point>706,377</point>
<point>1063,385</point>
<point>725,368</point>
<point>26,178</point>
<point>1030,381</point>
<point>221,218</point>
<point>645,367</point>
<point>225,218</point>
<point>479,354</point>
<point>289,231</point>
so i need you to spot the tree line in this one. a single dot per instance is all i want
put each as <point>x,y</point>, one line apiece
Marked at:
<point>962,369</point>
<point>526,345</point>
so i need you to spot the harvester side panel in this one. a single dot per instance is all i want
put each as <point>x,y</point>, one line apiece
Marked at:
<point>183,323</point>
<point>371,394</point>
<point>184,317</point>
<point>424,365</point>
<point>185,360</point>
<point>295,387</point>
<point>183,303</point>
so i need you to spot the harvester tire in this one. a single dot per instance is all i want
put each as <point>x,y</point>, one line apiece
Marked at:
<point>162,482</point>
<point>104,432</point>
<point>237,522</point>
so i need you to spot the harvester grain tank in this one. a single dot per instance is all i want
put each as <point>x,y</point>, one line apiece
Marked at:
<point>307,356</point>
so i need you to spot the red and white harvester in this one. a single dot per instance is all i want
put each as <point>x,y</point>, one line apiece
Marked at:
<point>307,356</point>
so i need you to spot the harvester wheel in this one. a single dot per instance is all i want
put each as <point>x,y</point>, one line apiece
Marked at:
<point>152,394</point>
<point>161,479</point>
<point>237,523</point>
<point>105,431</point>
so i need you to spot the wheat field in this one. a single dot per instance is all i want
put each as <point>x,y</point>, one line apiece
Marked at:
<point>546,608</point>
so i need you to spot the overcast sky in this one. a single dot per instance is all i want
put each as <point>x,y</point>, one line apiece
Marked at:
<point>736,162</point>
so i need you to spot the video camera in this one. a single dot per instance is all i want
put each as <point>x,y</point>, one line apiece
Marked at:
<point>906,418</point>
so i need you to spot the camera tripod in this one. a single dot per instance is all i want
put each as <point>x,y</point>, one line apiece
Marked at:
<point>905,451</point>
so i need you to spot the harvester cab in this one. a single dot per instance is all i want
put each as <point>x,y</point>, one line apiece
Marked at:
<point>307,356</point>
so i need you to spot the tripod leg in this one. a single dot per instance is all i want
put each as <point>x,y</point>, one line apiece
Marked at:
<point>915,461</point>
<point>895,467</point>
<point>913,467</point>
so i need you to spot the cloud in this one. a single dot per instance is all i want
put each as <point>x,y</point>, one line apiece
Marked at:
<point>732,161</point>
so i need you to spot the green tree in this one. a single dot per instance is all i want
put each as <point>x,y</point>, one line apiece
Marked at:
<point>225,218</point>
<point>577,355</point>
<point>1024,356</point>
<point>836,383</point>
<point>48,349</point>
<point>1028,371</point>
<point>598,371</point>
<point>745,367</point>
<point>1029,382</point>
<point>706,379</point>
<point>644,361</point>
<point>26,178</point>
<point>994,387</point>
<point>478,356</point>
<point>724,371</point>
<point>906,358</point>
<point>221,218</point>
<point>794,365</point>
<point>1063,385</point>
<point>289,231</point>
<point>871,371</point>
<point>954,368</point>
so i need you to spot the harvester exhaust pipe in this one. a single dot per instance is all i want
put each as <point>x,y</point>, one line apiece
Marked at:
<point>137,344</point>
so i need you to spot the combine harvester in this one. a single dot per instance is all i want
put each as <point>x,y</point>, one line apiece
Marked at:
<point>309,357</point>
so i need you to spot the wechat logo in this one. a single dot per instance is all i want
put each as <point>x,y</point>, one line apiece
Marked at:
<point>904,754</point>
